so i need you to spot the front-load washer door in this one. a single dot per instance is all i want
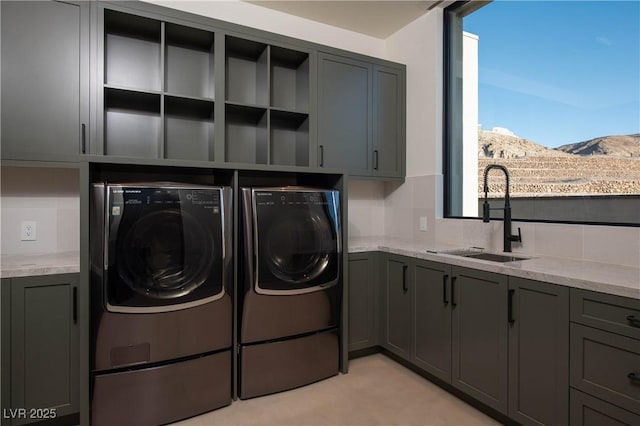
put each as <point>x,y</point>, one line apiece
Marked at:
<point>165,247</point>
<point>297,240</point>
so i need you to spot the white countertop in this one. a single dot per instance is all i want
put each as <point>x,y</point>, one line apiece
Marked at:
<point>602,277</point>
<point>12,266</point>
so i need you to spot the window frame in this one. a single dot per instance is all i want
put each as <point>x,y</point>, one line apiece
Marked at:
<point>453,35</point>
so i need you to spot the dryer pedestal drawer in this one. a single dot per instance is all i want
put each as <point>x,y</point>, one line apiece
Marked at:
<point>606,365</point>
<point>287,364</point>
<point>164,394</point>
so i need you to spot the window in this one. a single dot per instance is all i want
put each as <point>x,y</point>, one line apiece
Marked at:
<point>551,90</point>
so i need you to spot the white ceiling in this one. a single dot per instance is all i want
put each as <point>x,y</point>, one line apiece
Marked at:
<point>375,18</point>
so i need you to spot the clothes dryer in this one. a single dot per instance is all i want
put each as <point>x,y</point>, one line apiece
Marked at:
<point>290,298</point>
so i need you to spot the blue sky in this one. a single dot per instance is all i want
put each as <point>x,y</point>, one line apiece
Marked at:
<point>558,72</point>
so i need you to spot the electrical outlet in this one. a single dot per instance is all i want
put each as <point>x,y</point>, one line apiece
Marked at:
<point>423,223</point>
<point>28,230</point>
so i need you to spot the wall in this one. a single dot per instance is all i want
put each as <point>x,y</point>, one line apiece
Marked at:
<point>419,45</point>
<point>241,13</point>
<point>48,196</point>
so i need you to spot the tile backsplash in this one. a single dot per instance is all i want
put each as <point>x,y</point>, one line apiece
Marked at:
<point>393,209</point>
<point>48,196</point>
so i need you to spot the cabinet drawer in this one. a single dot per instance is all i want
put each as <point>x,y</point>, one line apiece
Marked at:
<point>586,410</point>
<point>601,363</point>
<point>612,313</point>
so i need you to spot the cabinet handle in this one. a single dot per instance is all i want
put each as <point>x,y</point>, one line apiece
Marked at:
<point>75,305</point>
<point>404,278</point>
<point>633,321</point>
<point>375,159</point>
<point>510,307</point>
<point>453,292</point>
<point>321,155</point>
<point>444,289</point>
<point>83,136</point>
<point>634,377</point>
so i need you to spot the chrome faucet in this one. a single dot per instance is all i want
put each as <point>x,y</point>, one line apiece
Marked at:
<point>507,236</point>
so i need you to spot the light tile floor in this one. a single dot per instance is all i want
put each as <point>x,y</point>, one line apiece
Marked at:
<point>377,391</point>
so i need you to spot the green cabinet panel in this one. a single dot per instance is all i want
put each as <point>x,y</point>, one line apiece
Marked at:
<point>586,410</point>
<point>363,277</point>
<point>344,114</point>
<point>604,359</point>
<point>432,322</point>
<point>361,116</point>
<point>538,352</point>
<point>479,333</point>
<point>5,348</point>
<point>44,344</point>
<point>45,80</point>
<point>388,122</point>
<point>397,294</point>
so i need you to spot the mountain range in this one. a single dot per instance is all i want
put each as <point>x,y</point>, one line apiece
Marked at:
<point>500,145</point>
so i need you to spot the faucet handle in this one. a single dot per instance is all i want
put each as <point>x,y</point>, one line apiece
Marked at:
<point>516,238</point>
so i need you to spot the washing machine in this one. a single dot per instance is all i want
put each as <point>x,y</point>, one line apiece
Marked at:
<point>290,288</point>
<point>161,309</point>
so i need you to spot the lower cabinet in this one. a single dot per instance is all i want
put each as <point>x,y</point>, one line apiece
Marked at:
<point>502,340</point>
<point>363,291</point>
<point>44,348</point>
<point>479,335</point>
<point>586,410</point>
<point>396,305</point>
<point>432,321</point>
<point>605,359</point>
<point>538,352</point>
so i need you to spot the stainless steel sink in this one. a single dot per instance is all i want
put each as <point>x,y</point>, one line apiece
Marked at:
<point>495,257</point>
<point>476,254</point>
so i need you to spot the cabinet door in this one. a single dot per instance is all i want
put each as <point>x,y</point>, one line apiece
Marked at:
<point>44,344</point>
<point>5,347</point>
<point>344,114</point>
<point>397,314</point>
<point>363,330</point>
<point>388,122</point>
<point>44,79</point>
<point>479,325</point>
<point>432,322</point>
<point>538,352</point>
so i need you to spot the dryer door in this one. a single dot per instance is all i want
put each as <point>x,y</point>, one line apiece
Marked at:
<point>165,248</point>
<point>297,241</point>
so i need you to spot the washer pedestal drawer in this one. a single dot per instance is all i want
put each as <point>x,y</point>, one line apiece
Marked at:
<point>164,394</point>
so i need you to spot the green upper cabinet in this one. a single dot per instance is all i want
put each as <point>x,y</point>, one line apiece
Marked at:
<point>344,114</point>
<point>140,81</point>
<point>388,122</point>
<point>361,117</point>
<point>45,80</point>
<point>267,119</point>
<point>156,88</point>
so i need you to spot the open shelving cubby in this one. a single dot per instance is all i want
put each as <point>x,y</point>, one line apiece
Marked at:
<point>246,130</point>
<point>132,47</point>
<point>289,138</point>
<point>189,129</point>
<point>289,79</point>
<point>189,61</point>
<point>132,123</point>
<point>246,71</point>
